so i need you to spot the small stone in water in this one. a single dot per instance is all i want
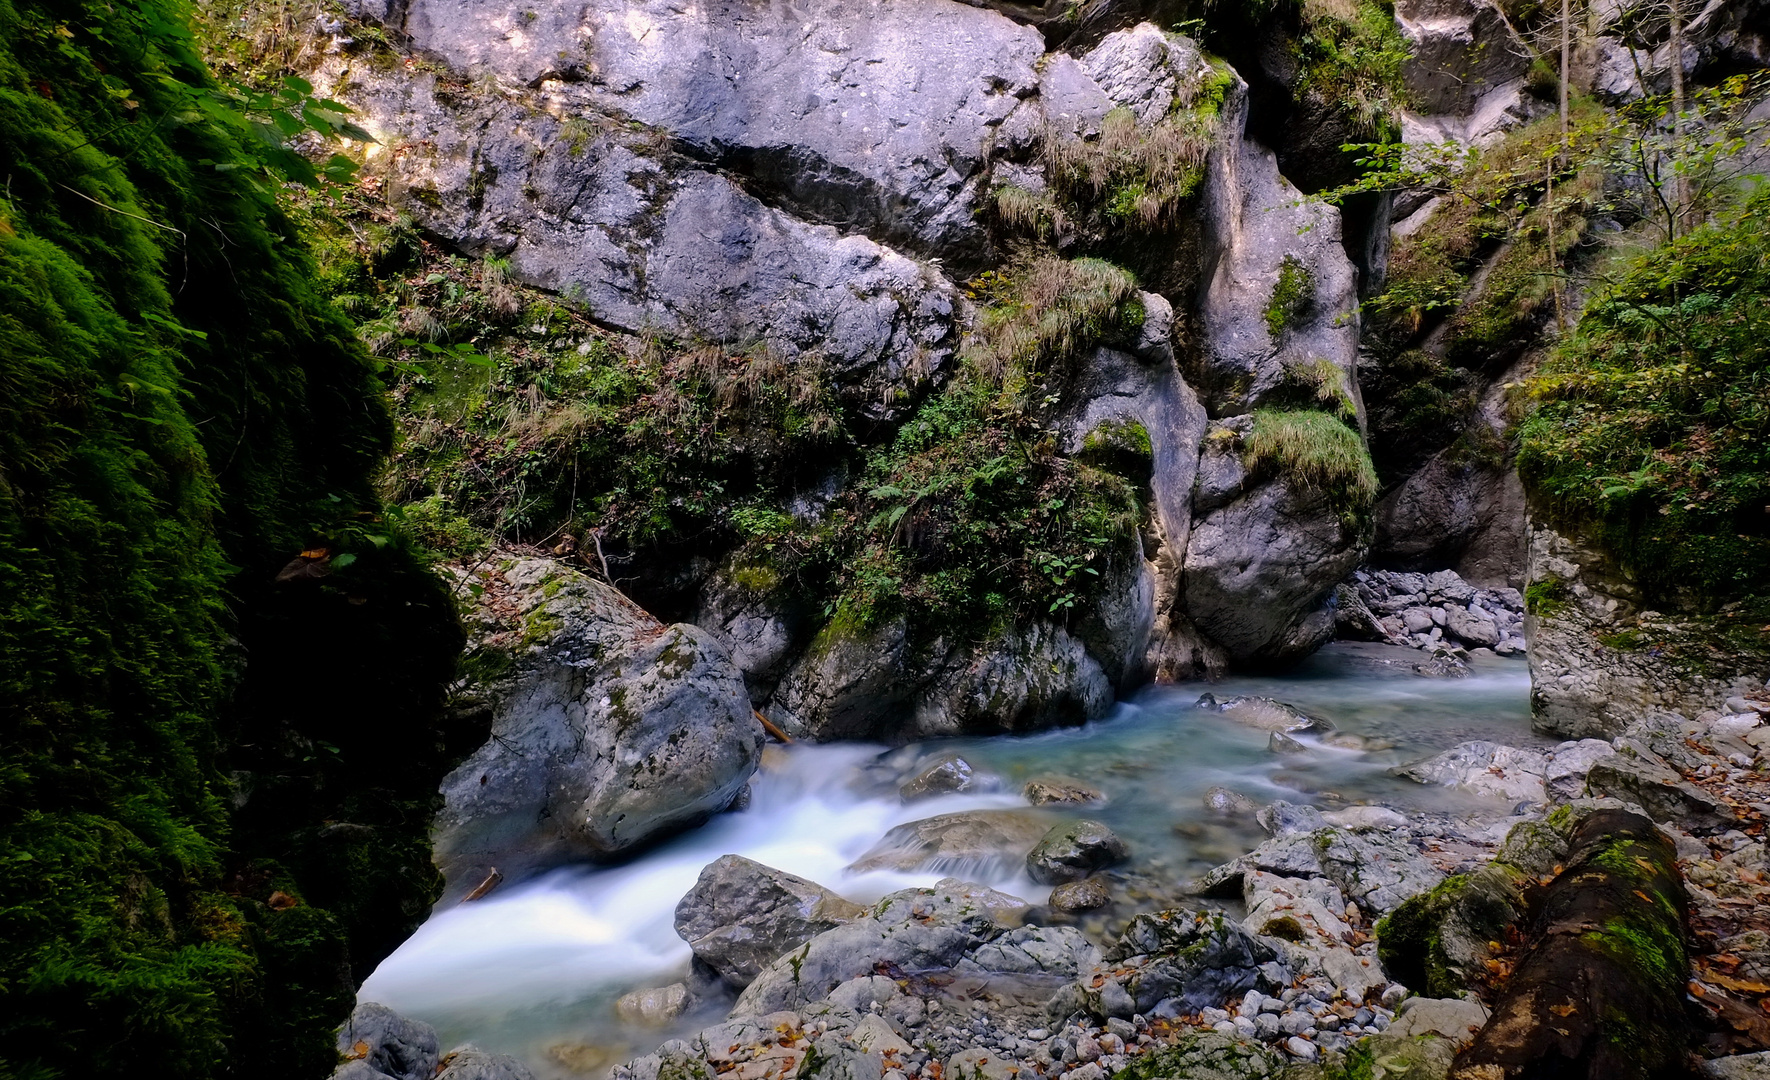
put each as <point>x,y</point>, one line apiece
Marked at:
<point>1086,895</point>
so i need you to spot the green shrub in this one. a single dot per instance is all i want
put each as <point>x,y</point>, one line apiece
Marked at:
<point>1648,430</point>
<point>1291,295</point>
<point>1351,56</point>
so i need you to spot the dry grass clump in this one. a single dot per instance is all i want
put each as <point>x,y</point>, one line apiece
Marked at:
<point>1316,451</point>
<point>1047,309</point>
<point>1139,173</point>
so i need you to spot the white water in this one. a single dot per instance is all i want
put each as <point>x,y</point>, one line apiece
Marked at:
<point>576,931</point>
<point>533,969</point>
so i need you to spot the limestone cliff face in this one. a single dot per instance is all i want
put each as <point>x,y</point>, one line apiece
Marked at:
<point>818,180</point>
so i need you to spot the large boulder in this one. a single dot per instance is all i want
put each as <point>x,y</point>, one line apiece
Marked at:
<point>741,915</point>
<point>1460,52</point>
<point>611,730</point>
<point>744,609</point>
<point>877,116</point>
<point>848,684</point>
<point>601,212</point>
<point>859,682</point>
<point>1030,677</point>
<point>1259,567</point>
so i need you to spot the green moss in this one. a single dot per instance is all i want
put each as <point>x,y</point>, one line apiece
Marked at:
<point>540,625</point>
<point>1409,945</point>
<point>1624,640</point>
<point>184,416</point>
<point>1316,452</point>
<point>1291,295</point>
<point>1546,597</point>
<point>1120,447</point>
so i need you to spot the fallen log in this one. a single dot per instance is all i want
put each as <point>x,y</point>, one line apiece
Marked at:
<point>1599,992</point>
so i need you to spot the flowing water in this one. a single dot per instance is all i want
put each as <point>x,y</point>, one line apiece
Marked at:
<point>533,970</point>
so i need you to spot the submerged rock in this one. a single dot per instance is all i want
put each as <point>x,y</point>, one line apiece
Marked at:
<point>1084,895</point>
<point>1060,791</point>
<point>655,1007</point>
<point>960,843</point>
<point>472,1063</point>
<point>741,915</point>
<point>948,774</point>
<point>1261,713</point>
<point>1231,804</point>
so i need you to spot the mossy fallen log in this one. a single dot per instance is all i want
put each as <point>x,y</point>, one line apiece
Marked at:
<point>1600,991</point>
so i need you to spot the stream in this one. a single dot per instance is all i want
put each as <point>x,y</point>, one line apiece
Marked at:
<point>533,970</point>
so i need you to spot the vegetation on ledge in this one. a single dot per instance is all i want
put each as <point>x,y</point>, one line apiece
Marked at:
<point>1317,452</point>
<point>1650,420</point>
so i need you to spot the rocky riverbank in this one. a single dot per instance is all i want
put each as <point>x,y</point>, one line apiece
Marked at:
<point>1361,933</point>
<point>1440,613</point>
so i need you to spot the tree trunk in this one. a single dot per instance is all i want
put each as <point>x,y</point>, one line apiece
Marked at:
<point>1600,992</point>
<point>1680,187</point>
<point>1566,70</point>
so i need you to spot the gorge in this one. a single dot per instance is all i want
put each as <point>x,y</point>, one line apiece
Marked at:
<point>655,540</point>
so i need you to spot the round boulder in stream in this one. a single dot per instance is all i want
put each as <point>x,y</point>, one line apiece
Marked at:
<point>741,915</point>
<point>1072,851</point>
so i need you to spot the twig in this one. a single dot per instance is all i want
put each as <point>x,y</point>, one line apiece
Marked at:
<point>596,538</point>
<point>185,240</point>
<point>776,732</point>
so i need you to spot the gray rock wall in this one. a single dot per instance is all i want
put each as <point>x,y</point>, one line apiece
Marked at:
<point>801,181</point>
<point>1599,660</point>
